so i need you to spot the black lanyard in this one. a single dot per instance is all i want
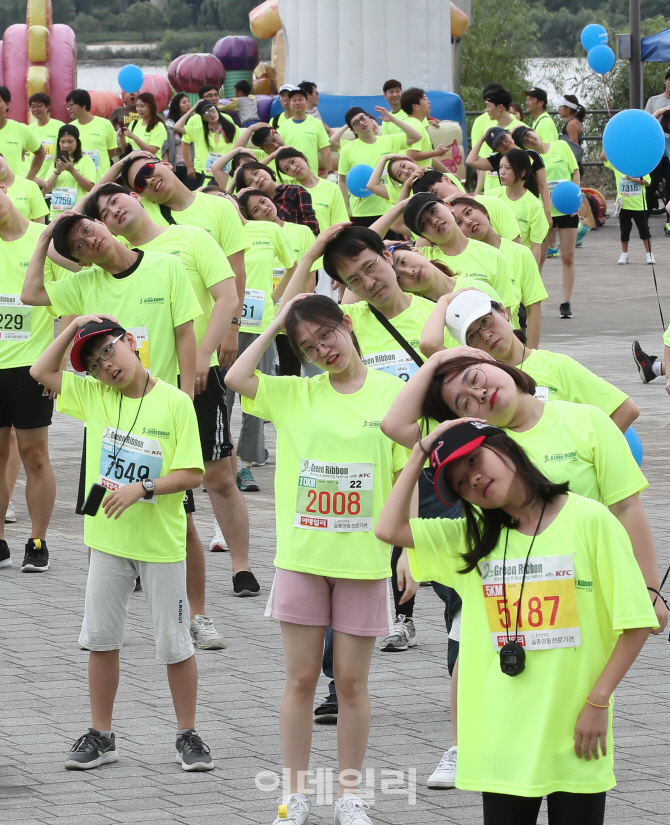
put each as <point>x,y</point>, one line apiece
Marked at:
<point>116,450</point>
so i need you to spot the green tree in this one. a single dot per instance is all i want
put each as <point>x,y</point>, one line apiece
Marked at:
<point>179,14</point>
<point>231,15</point>
<point>495,48</point>
<point>144,18</point>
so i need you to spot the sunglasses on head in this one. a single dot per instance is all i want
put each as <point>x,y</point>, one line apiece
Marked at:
<point>141,176</point>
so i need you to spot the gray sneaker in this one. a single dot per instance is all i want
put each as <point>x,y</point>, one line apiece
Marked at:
<point>401,637</point>
<point>92,750</point>
<point>205,635</point>
<point>192,752</point>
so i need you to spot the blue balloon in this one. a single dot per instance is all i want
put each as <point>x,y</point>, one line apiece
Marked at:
<point>635,445</point>
<point>634,142</point>
<point>566,197</point>
<point>593,35</point>
<point>601,59</point>
<point>357,180</point>
<point>131,78</point>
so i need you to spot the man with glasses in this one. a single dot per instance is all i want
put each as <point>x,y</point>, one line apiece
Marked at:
<point>46,129</point>
<point>17,140</point>
<point>306,133</point>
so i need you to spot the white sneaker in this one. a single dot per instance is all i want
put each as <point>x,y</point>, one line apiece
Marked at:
<point>444,775</point>
<point>401,637</point>
<point>623,258</point>
<point>218,543</point>
<point>205,635</point>
<point>350,810</point>
<point>10,515</point>
<point>650,258</point>
<point>293,810</point>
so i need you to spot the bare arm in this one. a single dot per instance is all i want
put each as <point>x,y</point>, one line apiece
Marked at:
<point>541,176</point>
<point>342,183</point>
<point>626,414</point>
<point>666,365</point>
<point>299,283</point>
<point>473,159</point>
<point>393,523</point>
<point>336,134</point>
<point>186,355</point>
<point>412,135</point>
<point>180,125</point>
<point>437,152</point>
<point>534,313</point>
<point>245,136</point>
<point>326,159</point>
<point>36,164</point>
<point>229,347</point>
<point>382,225</point>
<point>432,336</point>
<point>375,184</point>
<point>536,249</point>
<point>225,305</point>
<point>33,291</point>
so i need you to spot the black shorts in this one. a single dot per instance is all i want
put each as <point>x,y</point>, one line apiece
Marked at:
<point>565,221</point>
<point>212,415</point>
<point>22,404</point>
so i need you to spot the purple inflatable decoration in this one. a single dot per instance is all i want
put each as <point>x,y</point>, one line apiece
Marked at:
<point>237,52</point>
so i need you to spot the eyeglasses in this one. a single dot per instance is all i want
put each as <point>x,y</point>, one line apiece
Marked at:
<point>141,176</point>
<point>357,121</point>
<point>476,380</point>
<point>326,340</point>
<point>473,338</point>
<point>368,270</point>
<point>105,355</point>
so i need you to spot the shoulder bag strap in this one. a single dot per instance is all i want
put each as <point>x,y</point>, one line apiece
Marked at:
<point>409,349</point>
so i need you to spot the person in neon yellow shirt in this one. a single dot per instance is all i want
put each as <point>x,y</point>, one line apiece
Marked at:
<point>416,107</point>
<point>392,91</point>
<point>73,174</point>
<point>327,199</point>
<point>98,137</point>
<point>17,139</point>
<point>325,538</point>
<point>632,204</point>
<point>580,611</point>
<point>25,194</point>
<point>46,129</point>
<point>543,123</point>
<point>558,377</point>
<point>212,134</point>
<point>140,527</point>
<point>148,131</point>
<point>306,133</point>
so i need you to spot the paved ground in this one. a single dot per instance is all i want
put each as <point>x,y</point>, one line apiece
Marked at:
<point>44,705</point>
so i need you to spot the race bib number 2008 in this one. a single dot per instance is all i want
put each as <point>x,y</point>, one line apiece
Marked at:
<point>547,612</point>
<point>334,497</point>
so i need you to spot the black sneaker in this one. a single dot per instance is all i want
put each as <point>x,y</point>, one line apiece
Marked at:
<point>5,557</point>
<point>36,559</point>
<point>245,584</point>
<point>326,713</point>
<point>92,750</point>
<point>643,363</point>
<point>192,752</point>
<point>564,310</point>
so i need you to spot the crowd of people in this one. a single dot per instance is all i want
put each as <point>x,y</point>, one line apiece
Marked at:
<point>423,434</point>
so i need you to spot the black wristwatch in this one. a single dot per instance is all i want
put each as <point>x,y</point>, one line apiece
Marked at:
<point>149,487</point>
<point>237,322</point>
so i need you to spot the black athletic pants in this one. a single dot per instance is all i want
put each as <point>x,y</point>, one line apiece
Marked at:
<point>626,218</point>
<point>563,809</point>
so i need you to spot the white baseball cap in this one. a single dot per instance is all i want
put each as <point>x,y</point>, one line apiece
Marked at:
<point>561,101</point>
<point>287,87</point>
<point>466,308</point>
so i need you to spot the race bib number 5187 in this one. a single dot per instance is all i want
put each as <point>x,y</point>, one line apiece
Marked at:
<point>334,497</point>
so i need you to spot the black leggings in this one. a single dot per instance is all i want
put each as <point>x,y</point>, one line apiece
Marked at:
<point>626,218</point>
<point>563,808</point>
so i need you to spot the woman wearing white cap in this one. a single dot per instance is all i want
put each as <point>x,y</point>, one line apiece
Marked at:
<point>474,320</point>
<point>571,110</point>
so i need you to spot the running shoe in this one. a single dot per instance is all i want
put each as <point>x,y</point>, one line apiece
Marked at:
<point>218,543</point>
<point>326,712</point>
<point>245,584</point>
<point>650,258</point>
<point>293,810</point>
<point>350,810</point>
<point>564,310</point>
<point>643,363</point>
<point>401,637</point>
<point>36,559</point>
<point>666,229</point>
<point>205,635</point>
<point>246,482</point>
<point>5,556</point>
<point>581,232</point>
<point>92,750</point>
<point>10,515</point>
<point>552,252</point>
<point>266,458</point>
<point>624,258</point>
<point>444,775</point>
<point>192,752</point>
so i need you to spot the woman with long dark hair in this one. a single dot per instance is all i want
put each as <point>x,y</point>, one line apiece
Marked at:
<point>212,134</point>
<point>179,106</point>
<point>555,612</point>
<point>148,131</point>
<point>73,174</point>
<point>326,196</point>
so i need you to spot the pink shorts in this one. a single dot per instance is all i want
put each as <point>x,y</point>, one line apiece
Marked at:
<point>360,607</point>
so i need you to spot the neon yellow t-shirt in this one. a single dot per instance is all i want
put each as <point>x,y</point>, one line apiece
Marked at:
<point>15,139</point>
<point>604,596</point>
<point>559,164</point>
<point>525,275</point>
<point>389,128</point>
<point>491,179</point>
<point>328,203</point>
<point>666,337</point>
<point>379,348</point>
<point>25,331</point>
<point>503,220</point>
<point>579,443</point>
<point>205,265</point>
<point>300,238</point>
<point>425,144</point>
<point>561,378</point>
<point>164,438</point>
<point>307,136</point>
<point>27,197</point>
<point>545,127</point>
<point>266,243</point>
<point>329,491</point>
<point>215,215</point>
<point>478,262</point>
<point>529,213</point>
<point>632,195</point>
<point>67,190</point>
<point>154,137</point>
<point>479,125</point>
<point>48,137</point>
<point>354,152</point>
<point>206,152</point>
<point>98,139</point>
<point>149,300</point>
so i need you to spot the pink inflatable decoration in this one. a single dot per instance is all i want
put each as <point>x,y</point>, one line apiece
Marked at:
<point>196,70</point>
<point>159,87</point>
<point>104,102</point>
<point>172,73</point>
<point>238,52</point>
